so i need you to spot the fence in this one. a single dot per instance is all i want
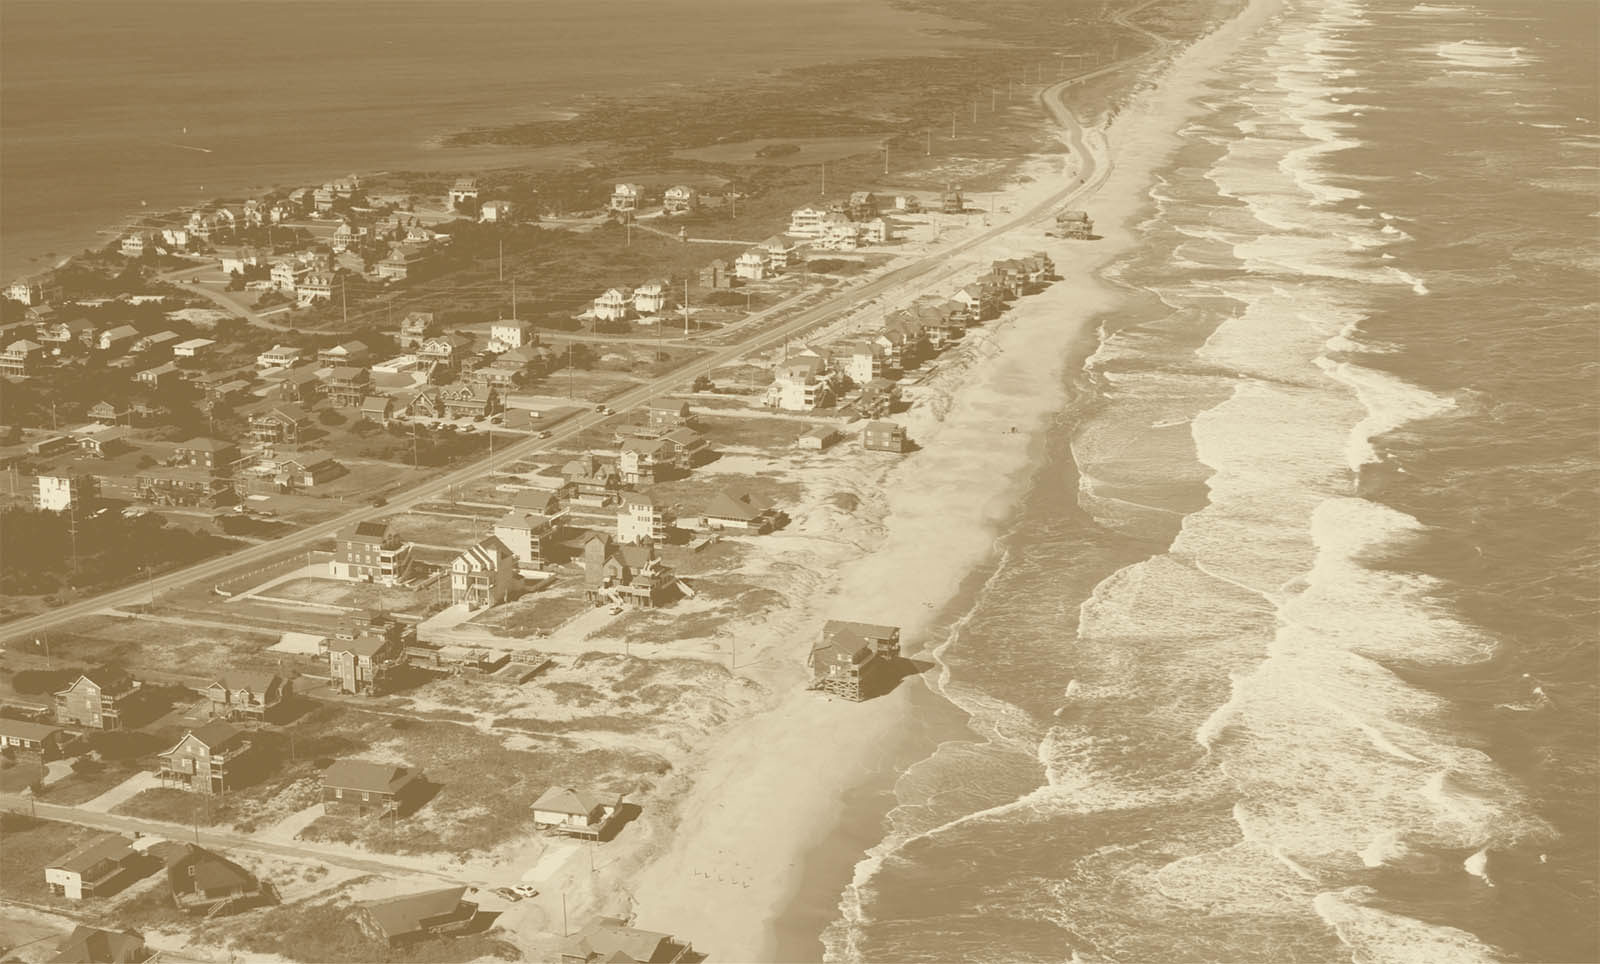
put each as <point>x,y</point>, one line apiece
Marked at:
<point>240,581</point>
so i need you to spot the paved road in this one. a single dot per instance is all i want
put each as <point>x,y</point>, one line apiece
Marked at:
<point>217,840</point>
<point>579,422</point>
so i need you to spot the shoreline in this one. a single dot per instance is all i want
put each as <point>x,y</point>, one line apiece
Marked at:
<point>814,844</point>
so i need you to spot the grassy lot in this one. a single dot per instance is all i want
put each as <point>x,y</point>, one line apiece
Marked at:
<point>540,610</point>
<point>29,845</point>
<point>281,792</point>
<point>338,592</point>
<point>483,788</point>
<point>773,434</point>
<point>441,530</point>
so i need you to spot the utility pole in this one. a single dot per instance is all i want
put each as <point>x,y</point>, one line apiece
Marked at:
<point>569,369</point>
<point>824,178</point>
<point>953,115</point>
<point>563,913</point>
<point>502,261</point>
<point>685,309</point>
<point>929,149</point>
<point>344,305</point>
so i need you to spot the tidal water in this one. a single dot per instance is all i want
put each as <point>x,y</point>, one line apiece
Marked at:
<point>112,109</point>
<point>1291,651</point>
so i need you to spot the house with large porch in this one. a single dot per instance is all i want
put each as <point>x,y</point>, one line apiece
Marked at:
<point>205,760</point>
<point>854,660</point>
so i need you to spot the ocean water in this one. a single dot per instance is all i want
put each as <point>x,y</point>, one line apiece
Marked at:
<point>1291,651</point>
<point>109,108</point>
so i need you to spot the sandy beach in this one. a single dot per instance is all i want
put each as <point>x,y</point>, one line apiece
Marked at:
<point>767,805</point>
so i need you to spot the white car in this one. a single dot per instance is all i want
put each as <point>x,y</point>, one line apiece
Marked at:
<point>525,890</point>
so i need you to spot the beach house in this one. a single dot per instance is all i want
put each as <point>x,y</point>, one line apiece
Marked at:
<point>203,882</point>
<point>369,552</point>
<point>531,536</point>
<point>413,917</point>
<point>613,305</point>
<point>609,940</point>
<point>627,197</point>
<point>807,222</point>
<point>100,866</point>
<point>247,695</point>
<point>205,760</point>
<point>464,189</point>
<point>640,518</point>
<point>650,298</point>
<point>87,943</point>
<point>577,813</point>
<point>591,479</point>
<point>679,199</point>
<point>644,461</point>
<point>367,789</point>
<point>627,575</point>
<point>883,436</point>
<point>43,741</point>
<point>751,265</point>
<point>98,699</point>
<point>801,385</point>
<point>496,212</point>
<point>483,575</point>
<point>854,660</point>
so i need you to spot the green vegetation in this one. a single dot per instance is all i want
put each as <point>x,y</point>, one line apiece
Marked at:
<point>107,551</point>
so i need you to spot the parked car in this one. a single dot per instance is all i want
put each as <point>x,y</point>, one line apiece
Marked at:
<point>524,890</point>
<point>506,893</point>
<point>544,433</point>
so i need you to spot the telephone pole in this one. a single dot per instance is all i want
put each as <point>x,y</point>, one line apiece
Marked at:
<point>502,261</point>
<point>685,309</point>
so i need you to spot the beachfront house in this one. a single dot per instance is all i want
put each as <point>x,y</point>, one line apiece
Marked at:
<point>87,943</point>
<point>802,384</point>
<point>807,222</point>
<point>397,921</point>
<point>609,940</point>
<point>531,536</point>
<point>463,190</point>
<point>203,882</point>
<point>577,813</point>
<point>854,660</point>
<point>627,575</point>
<point>43,741</point>
<point>650,298</point>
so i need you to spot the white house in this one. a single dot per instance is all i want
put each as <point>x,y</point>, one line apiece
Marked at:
<point>680,198</point>
<point>235,261</point>
<point>806,222</point>
<point>802,385</point>
<point>92,869</point>
<point>751,266</point>
<point>312,289</point>
<point>58,493</point>
<point>118,337</point>
<point>133,246</point>
<point>278,356</point>
<point>777,249</point>
<point>483,575</point>
<point>464,189</point>
<point>509,334</point>
<point>861,362</point>
<point>650,298</point>
<point>175,237</point>
<point>640,518</point>
<point>875,231</point>
<point>611,306</point>
<point>193,348</point>
<point>495,211</point>
<point>578,812</point>
<point>286,275</point>
<point>626,197</point>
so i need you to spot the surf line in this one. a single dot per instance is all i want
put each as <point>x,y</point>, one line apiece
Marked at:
<point>190,147</point>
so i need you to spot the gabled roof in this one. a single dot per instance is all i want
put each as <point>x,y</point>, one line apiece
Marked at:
<point>376,403</point>
<point>27,729</point>
<point>487,554</point>
<point>246,681</point>
<point>91,945</point>
<point>646,446</point>
<point>368,776</point>
<point>110,846</point>
<point>397,916</point>
<point>211,872</point>
<point>202,444</point>
<point>366,644</point>
<point>579,802</point>
<point>215,734</point>
<point>726,506</point>
<point>610,940</point>
<point>370,530</point>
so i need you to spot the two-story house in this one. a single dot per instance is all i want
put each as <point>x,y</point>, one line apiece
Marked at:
<point>345,353</point>
<point>650,298</point>
<point>751,265</point>
<point>854,660</point>
<point>469,400</point>
<point>414,329</point>
<point>280,425</point>
<point>629,575</point>
<point>247,695</point>
<point>399,921</point>
<point>883,436</point>
<point>591,479</point>
<point>208,454</point>
<point>206,760</point>
<point>363,665</point>
<point>483,575</point>
<point>613,305</point>
<point>369,552</point>
<point>509,333</point>
<point>802,384</point>
<point>627,197</point>
<point>346,386</point>
<point>278,356</point>
<point>97,700</point>
<point>680,199</point>
<point>644,461</point>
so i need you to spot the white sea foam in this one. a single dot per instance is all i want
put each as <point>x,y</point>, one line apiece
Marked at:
<point>1474,53</point>
<point>1478,866</point>
<point>1390,402</point>
<point>1381,937</point>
